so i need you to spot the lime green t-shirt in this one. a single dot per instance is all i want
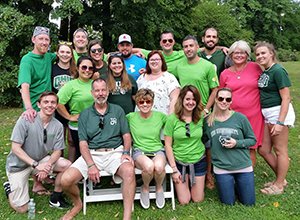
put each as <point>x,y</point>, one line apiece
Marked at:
<point>186,149</point>
<point>171,60</point>
<point>146,131</point>
<point>36,71</point>
<point>202,75</point>
<point>78,96</point>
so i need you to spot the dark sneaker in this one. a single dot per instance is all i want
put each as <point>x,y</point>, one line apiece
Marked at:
<point>7,190</point>
<point>61,203</point>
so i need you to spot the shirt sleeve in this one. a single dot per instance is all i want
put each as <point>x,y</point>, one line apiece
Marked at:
<point>123,122</point>
<point>249,137</point>
<point>169,126</point>
<point>172,84</point>
<point>59,143</point>
<point>65,93</point>
<point>82,129</point>
<point>19,132</point>
<point>212,77</point>
<point>282,79</point>
<point>145,52</point>
<point>25,71</point>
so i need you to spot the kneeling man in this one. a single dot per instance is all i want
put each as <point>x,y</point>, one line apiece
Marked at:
<point>105,143</point>
<point>36,149</point>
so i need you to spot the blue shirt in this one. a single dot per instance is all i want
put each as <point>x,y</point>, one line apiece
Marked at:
<point>134,64</point>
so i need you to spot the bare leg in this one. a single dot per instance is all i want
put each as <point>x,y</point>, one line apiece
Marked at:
<point>253,156</point>
<point>183,191</point>
<point>61,165</point>
<point>210,183</point>
<point>197,190</point>
<point>71,147</point>
<point>159,171</point>
<point>266,149</point>
<point>126,172</point>
<point>69,181</point>
<point>147,166</point>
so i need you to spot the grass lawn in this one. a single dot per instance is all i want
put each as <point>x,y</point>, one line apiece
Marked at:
<point>286,206</point>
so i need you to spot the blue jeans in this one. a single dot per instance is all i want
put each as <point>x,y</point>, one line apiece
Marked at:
<point>240,184</point>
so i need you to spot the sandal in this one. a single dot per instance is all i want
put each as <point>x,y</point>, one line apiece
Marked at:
<point>42,192</point>
<point>268,184</point>
<point>272,190</point>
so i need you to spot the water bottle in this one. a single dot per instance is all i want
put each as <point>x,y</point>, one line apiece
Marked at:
<point>31,209</point>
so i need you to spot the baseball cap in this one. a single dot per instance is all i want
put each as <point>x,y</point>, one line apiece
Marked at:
<point>40,30</point>
<point>124,38</point>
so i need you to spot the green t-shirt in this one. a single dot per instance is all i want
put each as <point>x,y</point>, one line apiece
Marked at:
<point>146,131</point>
<point>77,55</point>
<point>111,136</point>
<point>270,82</point>
<point>122,97</point>
<point>217,58</point>
<point>78,96</point>
<point>202,75</point>
<point>238,128</point>
<point>186,149</point>
<point>171,60</point>
<point>36,71</point>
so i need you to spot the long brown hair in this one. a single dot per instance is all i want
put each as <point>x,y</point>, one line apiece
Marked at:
<point>111,81</point>
<point>72,69</point>
<point>196,115</point>
<point>211,117</point>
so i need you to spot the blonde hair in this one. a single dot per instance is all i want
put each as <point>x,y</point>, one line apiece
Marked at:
<point>268,45</point>
<point>212,116</point>
<point>144,94</point>
<point>242,45</point>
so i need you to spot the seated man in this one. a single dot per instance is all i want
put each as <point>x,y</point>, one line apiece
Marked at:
<point>31,145</point>
<point>105,143</point>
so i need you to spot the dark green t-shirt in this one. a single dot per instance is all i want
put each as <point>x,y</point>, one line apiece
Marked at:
<point>270,82</point>
<point>238,128</point>
<point>123,97</point>
<point>115,125</point>
<point>217,58</point>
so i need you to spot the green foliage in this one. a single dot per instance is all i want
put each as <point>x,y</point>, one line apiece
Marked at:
<point>285,55</point>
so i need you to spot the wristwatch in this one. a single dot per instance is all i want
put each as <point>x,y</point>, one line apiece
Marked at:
<point>34,164</point>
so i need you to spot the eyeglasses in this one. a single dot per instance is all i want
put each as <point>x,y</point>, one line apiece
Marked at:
<point>221,99</point>
<point>65,43</point>
<point>97,49</point>
<point>167,40</point>
<point>87,68</point>
<point>115,54</point>
<point>187,130</point>
<point>101,122</point>
<point>155,60</point>
<point>239,53</point>
<point>45,136</point>
<point>144,101</point>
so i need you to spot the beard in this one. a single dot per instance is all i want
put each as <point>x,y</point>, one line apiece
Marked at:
<point>208,47</point>
<point>101,100</point>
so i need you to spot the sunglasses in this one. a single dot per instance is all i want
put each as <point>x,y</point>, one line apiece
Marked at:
<point>168,40</point>
<point>65,43</point>
<point>221,99</point>
<point>115,54</point>
<point>97,49</point>
<point>144,101</point>
<point>187,130</point>
<point>87,68</point>
<point>101,122</point>
<point>45,136</point>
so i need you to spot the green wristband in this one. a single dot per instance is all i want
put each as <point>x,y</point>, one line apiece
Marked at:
<point>89,166</point>
<point>280,123</point>
<point>127,152</point>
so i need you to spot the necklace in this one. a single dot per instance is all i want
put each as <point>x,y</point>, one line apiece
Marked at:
<point>237,72</point>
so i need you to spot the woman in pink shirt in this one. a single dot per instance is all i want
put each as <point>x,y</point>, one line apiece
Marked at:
<point>242,78</point>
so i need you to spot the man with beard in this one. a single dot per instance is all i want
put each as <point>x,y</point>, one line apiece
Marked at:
<point>135,65</point>
<point>80,41</point>
<point>198,72</point>
<point>105,144</point>
<point>36,149</point>
<point>211,53</point>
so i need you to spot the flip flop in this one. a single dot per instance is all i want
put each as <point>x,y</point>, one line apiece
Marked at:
<point>42,192</point>
<point>272,190</point>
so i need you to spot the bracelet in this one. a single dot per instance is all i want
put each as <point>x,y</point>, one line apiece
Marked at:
<point>126,152</point>
<point>89,166</point>
<point>280,123</point>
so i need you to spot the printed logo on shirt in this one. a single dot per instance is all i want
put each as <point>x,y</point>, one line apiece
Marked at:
<point>113,121</point>
<point>118,90</point>
<point>263,80</point>
<point>131,68</point>
<point>59,81</point>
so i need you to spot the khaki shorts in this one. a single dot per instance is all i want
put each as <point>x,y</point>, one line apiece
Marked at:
<point>19,184</point>
<point>108,161</point>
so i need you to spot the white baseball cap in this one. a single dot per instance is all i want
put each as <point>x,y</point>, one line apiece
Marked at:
<point>125,38</point>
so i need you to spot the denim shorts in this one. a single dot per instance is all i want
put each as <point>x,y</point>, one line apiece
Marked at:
<point>200,167</point>
<point>271,115</point>
<point>137,152</point>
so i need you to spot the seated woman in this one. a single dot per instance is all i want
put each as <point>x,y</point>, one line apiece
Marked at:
<point>230,135</point>
<point>145,126</point>
<point>184,149</point>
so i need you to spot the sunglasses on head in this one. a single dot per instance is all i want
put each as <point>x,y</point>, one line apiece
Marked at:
<point>116,54</point>
<point>221,99</point>
<point>65,43</point>
<point>187,130</point>
<point>144,101</point>
<point>97,49</point>
<point>87,68</point>
<point>101,122</point>
<point>167,40</point>
<point>45,136</point>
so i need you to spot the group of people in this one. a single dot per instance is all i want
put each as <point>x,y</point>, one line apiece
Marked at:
<point>201,111</point>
